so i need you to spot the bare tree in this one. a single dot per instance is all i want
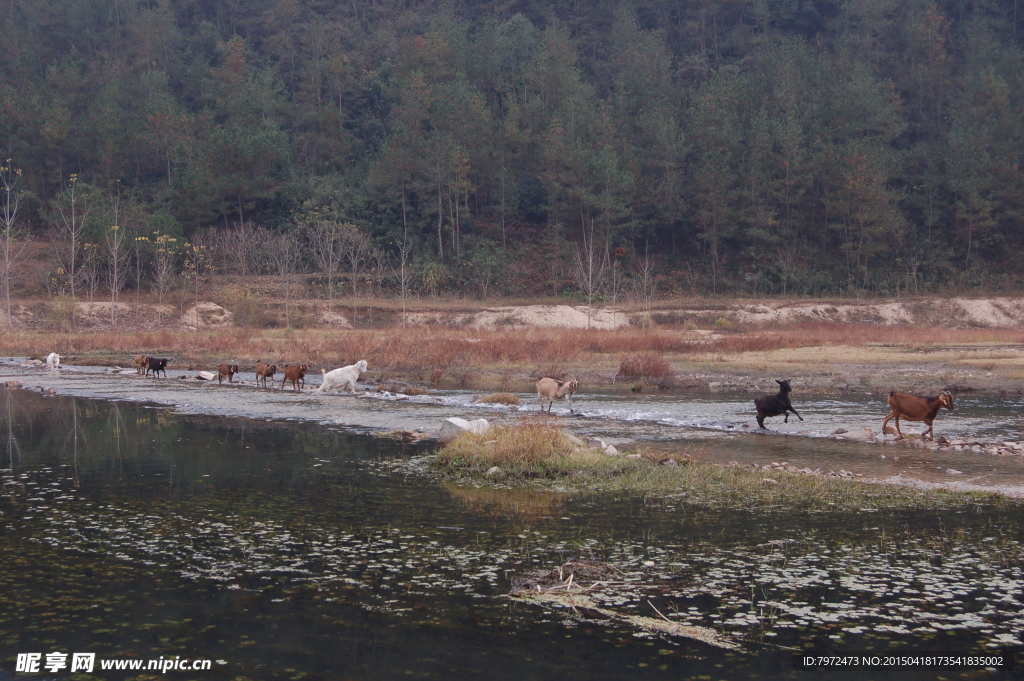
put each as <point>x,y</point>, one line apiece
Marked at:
<point>326,245</point>
<point>645,282</point>
<point>11,250</point>
<point>590,267</point>
<point>139,244</point>
<point>197,265</point>
<point>378,264</point>
<point>261,260</point>
<point>117,259</point>
<point>285,252</point>
<point>240,246</point>
<point>72,208</point>
<point>90,270</point>
<point>403,272</point>
<point>164,265</point>
<point>614,276</point>
<point>403,269</point>
<point>356,246</point>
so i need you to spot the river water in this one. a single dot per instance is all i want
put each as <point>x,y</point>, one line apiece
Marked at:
<point>713,427</point>
<point>292,547</point>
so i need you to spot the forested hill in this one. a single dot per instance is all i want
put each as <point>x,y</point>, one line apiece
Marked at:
<point>761,146</point>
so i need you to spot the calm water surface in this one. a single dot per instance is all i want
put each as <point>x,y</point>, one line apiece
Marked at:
<point>297,550</point>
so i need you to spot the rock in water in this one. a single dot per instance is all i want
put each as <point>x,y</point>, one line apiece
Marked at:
<point>451,428</point>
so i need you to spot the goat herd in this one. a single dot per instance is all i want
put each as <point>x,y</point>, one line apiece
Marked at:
<point>902,405</point>
<point>345,377</point>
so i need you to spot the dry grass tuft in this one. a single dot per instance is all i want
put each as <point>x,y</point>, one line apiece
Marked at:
<point>501,398</point>
<point>650,368</point>
<point>414,390</point>
<point>530,448</point>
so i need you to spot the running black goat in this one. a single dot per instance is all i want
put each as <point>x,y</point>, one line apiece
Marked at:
<point>776,405</point>
<point>156,366</point>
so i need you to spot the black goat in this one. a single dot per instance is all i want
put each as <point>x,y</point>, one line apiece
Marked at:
<point>156,366</point>
<point>776,405</point>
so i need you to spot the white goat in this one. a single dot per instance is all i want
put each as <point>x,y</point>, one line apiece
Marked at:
<point>343,377</point>
<point>53,360</point>
<point>549,390</point>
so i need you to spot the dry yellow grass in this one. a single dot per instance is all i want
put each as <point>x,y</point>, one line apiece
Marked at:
<point>531,447</point>
<point>438,354</point>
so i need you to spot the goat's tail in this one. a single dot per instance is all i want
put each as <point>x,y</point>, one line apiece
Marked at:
<point>892,393</point>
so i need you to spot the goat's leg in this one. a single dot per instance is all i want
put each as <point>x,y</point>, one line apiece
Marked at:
<point>760,420</point>
<point>929,431</point>
<point>797,415</point>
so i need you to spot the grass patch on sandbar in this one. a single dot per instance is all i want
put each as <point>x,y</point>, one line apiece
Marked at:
<point>537,452</point>
<point>529,449</point>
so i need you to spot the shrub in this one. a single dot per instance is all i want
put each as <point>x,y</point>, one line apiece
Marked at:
<point>62,312</point>
<point>648,367</point>
<point>245,305</point>
<point>642,321</point>
<point>501,398</point>
<point>723,324</point>
<point>690,326</point>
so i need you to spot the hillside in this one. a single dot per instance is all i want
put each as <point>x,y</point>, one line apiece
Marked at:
<point>737,148</point>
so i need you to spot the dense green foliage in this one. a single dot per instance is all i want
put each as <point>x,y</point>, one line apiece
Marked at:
<point>783,146</point>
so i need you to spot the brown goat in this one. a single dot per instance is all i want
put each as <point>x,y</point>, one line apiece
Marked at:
<point>141,362</point>
<point>914,408</point>
<point>296,375</point>
<point>263,371</point>
<point>550,389</point>
<point>225,369</point>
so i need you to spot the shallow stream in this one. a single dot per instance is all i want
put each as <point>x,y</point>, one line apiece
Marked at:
<point>291,549</point>
<point>716,427</point>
